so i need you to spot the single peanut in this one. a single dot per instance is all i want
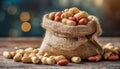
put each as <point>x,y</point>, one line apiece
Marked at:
<point>81,14</point>
<point>71,23</point>
<point>66,10</point>
<point>64,20</point>
<point>76,59</point>
<point>32,54</point>
<point>58,14</point>
<point>57,58</point>
<point>108,46</point>
<point>63,62</point>
<point>57,19</point>
<point>92,59</point>
<point>12,53</point>
<point>17,57</point>
<point>99,57</point>
<point>26,54</point>
<point>115,50</point>
<point>66,15</point>
<point>113,57</point>
<point>38,49</point>
<point>52,15</point>
<point>68,22</point>
<point>35,51</point>
<point>83,21</point>
<point>74,10</point>
<point>26,59</point>
<point>29,49</point>
<point>7,54</point>
<point>43,60</point>
<point>52,57</point>
<point>72,18</point>
<point>40,57</point>
<point>90,18</point>
<point>106,55</point>
<point>35,59</point>
<point>50,61</point>
<point>95,58</point>
<point>46,54</point>
<point>21,51</point>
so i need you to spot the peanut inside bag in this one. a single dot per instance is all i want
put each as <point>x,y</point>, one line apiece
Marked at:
<point>71,39</point>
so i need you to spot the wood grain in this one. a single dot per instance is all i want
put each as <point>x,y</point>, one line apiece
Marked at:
<point>10,44</point>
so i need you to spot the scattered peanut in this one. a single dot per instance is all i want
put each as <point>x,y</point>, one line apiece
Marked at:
<point>7,54</point>
<point>76,59</point>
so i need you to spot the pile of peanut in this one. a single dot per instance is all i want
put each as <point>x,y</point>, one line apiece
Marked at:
<point>30,55</point>
<point>111,52</point>
<point>71,17</point>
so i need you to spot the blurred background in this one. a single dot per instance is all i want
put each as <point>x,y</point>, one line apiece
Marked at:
<point>22,18</point>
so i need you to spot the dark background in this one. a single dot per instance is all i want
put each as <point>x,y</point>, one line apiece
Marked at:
<point>14,14</point>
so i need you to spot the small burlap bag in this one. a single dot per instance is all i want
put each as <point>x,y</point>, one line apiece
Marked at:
<point>80,40</point>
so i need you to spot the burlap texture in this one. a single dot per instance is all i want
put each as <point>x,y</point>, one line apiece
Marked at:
<point>80,40</point>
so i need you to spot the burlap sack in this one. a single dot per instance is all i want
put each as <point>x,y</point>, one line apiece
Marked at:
<point>80,40</point>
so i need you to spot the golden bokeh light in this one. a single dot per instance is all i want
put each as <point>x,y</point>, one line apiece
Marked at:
<point>25,16</point>
<point>26,27</point>
<point>98,3</point>
<point>12,10</point>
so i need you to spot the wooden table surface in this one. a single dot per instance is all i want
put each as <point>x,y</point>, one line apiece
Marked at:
<point>10,44</point>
